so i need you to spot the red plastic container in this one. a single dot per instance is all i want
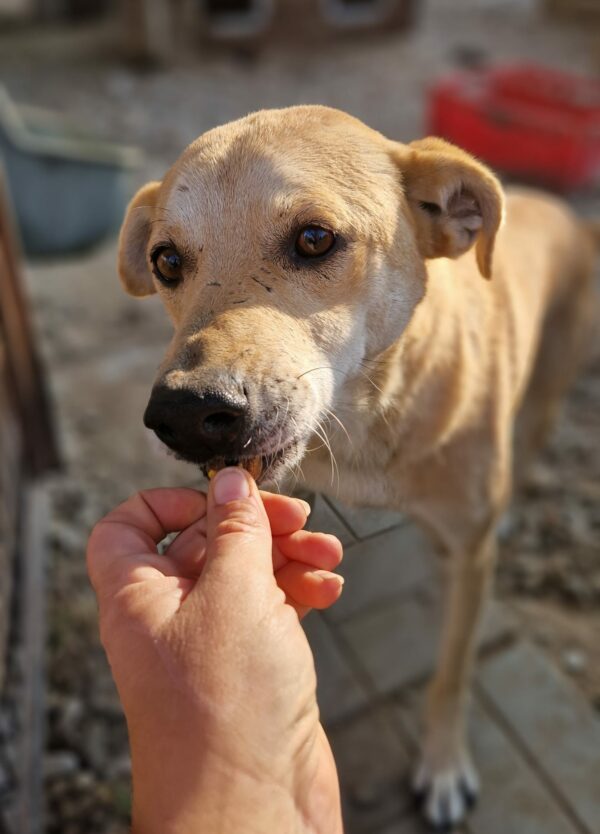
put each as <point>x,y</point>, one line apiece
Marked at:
<point>529,121</point>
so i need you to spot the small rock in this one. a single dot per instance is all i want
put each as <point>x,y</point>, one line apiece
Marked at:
<point>70,715</point>
<point>84,781</point>
<point>66,537</point>
<point>60,763</point>
<point>508,526</point>
<point>119,768</point>
<point>95,746</point>
<point>55,791</point>
<point>541,478</point>
<point>577,590</point>
<point>578,524</point>
<point>575,661</point>
<point>529,572</point>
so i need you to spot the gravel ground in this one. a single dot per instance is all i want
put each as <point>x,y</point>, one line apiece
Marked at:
<point>102,347</point>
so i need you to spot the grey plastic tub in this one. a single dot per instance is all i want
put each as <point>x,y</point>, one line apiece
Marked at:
<point>69,191</point>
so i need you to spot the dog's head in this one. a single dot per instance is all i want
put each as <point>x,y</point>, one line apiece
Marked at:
<point>288,249</point>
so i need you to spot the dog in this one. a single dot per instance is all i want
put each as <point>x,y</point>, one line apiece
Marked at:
<point>332,290</point>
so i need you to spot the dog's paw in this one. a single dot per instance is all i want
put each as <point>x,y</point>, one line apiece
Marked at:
<point>445,794</point>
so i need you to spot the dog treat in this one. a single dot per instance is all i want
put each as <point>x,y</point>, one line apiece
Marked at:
<point>252,465</point>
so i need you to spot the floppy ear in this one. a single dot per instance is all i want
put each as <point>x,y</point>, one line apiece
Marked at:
<point>455,200</point>
<point>133,267</point>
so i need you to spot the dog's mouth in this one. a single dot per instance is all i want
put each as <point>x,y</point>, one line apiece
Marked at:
<point>261,467</point>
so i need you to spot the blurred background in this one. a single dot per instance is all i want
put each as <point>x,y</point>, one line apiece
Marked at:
<point>96,98</point>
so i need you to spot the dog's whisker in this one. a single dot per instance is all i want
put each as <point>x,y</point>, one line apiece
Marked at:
<point>296,474</point>
<point>339,422</point>
<point>340,371</point>
<point>335,472</point>
<point>312,370</point>
<point>368,378</point>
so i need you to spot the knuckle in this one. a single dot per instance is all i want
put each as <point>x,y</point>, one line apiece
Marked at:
<point>240,519</point>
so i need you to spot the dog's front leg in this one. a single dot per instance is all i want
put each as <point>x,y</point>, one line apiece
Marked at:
<point>446,780</point>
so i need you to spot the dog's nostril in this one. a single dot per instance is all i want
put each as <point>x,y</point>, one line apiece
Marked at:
<point>220,421</point>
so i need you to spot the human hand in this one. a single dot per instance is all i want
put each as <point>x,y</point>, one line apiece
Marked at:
<point>214,672</point>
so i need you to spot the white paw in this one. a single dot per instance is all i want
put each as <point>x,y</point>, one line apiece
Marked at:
<point>445,794</point>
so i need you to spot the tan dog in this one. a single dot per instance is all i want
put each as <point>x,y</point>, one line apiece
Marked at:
<point>304,261</point>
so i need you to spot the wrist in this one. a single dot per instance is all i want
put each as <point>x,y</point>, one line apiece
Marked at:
<point>214,799</point>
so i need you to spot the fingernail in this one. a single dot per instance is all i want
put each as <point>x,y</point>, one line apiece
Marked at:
<point>230,485</point>
<point>330,577</point>
<point>305,505</point>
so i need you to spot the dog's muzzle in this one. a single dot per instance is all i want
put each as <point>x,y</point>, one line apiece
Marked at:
<point>221,425</point>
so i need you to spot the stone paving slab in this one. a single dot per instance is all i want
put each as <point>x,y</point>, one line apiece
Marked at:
<point>513,797</point>
<point>383,567</point>
<point>373,767</point>
<point>397,644</point>
<point>339,690</point>
<point>365,522</point>
<point>552,723</point>
<point>394,645</point>
<point>325,520</point>
<point>535,740</point>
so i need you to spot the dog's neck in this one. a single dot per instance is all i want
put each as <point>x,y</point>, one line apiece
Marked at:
<point>401,407</point>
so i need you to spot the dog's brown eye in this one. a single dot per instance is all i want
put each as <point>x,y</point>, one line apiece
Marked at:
<point>314,241</point>
<point>167,264</point>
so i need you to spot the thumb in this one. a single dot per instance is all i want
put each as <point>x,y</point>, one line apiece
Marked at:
<point>238,529</point>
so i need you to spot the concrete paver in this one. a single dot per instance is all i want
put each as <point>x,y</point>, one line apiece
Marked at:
<point>553,723</point>
<point>375,649</point>
<point>374,772</point>
<point>339,690</point>
<point>385,566</point>
<point>513,798</point>
<point>325,520</point>
<point>394,644</point>
<point>365,522</point>
<point>397,643</point>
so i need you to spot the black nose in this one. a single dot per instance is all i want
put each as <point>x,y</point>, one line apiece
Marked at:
<point>199,426</point>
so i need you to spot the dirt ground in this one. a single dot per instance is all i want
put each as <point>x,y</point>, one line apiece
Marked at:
<point>101,347</point>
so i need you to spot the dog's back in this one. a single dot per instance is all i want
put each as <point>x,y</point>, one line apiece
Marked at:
<point>551,254</point>
<point>522,334</point>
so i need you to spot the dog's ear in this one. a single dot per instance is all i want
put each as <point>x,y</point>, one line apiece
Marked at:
<point>133,267</point>
<point>455,200</point>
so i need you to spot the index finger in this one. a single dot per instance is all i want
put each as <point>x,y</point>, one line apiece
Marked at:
<point>286,514</point>
<point>138,525</point>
